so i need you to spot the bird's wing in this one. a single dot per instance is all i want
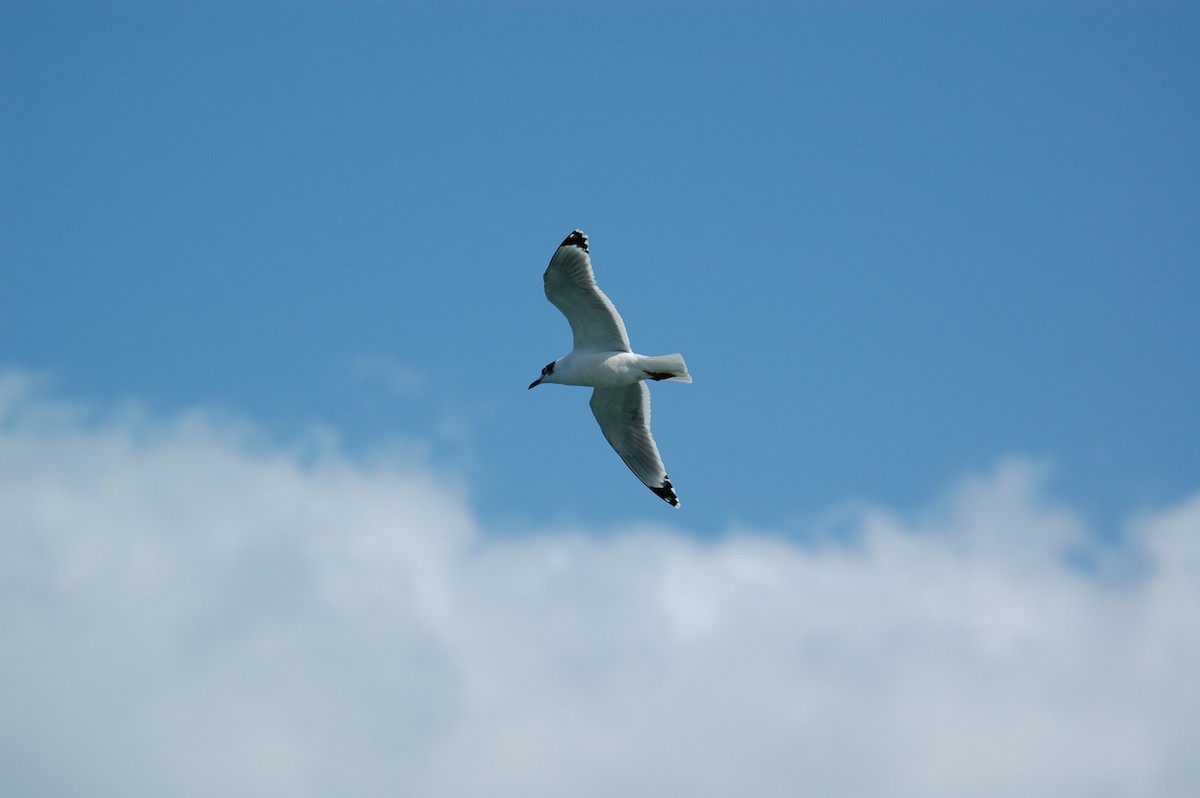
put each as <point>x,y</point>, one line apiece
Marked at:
<point>624,416</point>
<point>571,287</point>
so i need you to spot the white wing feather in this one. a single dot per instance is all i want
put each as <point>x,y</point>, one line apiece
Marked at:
<point>624,416</point>
<point>571,287</point>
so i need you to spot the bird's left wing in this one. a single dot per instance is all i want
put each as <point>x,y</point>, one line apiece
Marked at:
<point>624,416</point>
<point>571,287</point>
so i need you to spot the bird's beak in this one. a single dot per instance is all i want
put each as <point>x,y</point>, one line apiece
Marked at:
<point>538,381</point>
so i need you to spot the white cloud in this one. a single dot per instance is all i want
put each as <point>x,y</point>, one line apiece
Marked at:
<point>397,379</point>
<point>186,610</point>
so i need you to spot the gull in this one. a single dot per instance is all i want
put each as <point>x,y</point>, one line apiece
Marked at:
<point>601,359</point>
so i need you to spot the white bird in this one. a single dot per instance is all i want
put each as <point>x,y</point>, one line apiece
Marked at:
<point>601,358</point>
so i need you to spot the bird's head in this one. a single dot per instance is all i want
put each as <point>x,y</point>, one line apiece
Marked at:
<point>546,375</point>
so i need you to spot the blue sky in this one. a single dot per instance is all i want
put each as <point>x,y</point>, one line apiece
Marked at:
<point>270,295</point>
<point>894,242</point>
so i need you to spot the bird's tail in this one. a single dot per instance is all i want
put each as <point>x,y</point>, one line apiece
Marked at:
<point>666,367</point>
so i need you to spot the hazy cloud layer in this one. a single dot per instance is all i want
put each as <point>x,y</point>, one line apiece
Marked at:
<point>396,379</point>
<point>188,610</point>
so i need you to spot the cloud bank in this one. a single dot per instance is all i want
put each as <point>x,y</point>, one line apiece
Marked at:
<point>189,610</point>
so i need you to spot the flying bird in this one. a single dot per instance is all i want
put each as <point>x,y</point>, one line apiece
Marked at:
<point>601,359</point>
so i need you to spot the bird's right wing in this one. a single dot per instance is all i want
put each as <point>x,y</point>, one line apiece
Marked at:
<point>571,287</point>
<point>624,416</point>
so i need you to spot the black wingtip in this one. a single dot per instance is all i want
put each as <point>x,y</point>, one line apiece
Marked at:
<point>666,492</point>
<point>576,239</point>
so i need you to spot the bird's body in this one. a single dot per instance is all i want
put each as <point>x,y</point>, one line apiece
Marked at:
<point>602,359</point>
<point>608,369</point>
